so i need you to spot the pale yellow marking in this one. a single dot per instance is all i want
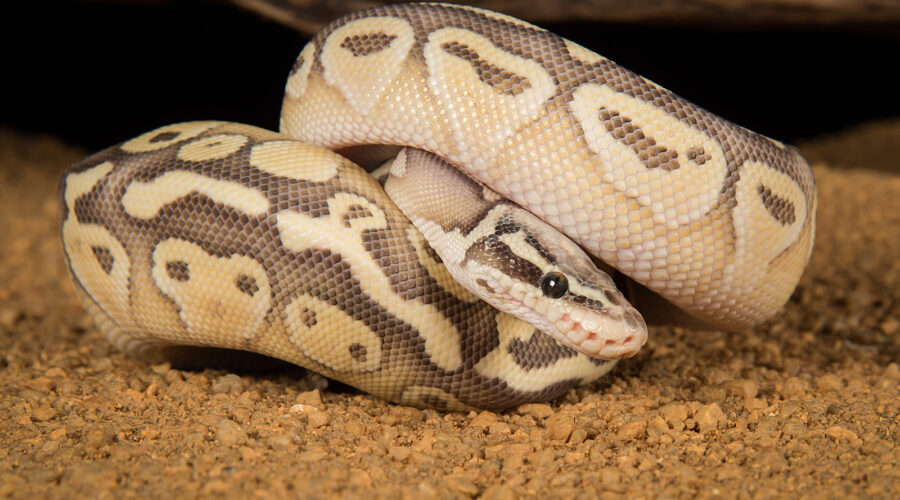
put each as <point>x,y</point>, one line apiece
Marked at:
<point>182,131</point>
<point>363,79</point>
<point>517,244</point>
<point>757,231</point>
<point>82,183</point>
<point>109,290</point>
<point>500,364</point>
<point>331,336</point>
<point>295,160</point>
<point>676,197</point>
<point>476,113</point>
<point>145,199</point>
<point>397,166</point>
<point>584,55</point>
<point>212,307</point>
<point>490,195</point>
<point>453,244</point>
<point>211,148</point>
<point>296,84</point>
<point>299,232</point>
<point>437,271</point>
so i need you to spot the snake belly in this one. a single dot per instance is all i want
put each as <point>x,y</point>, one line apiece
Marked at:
<point>229,236</point>
<point>716,220</point>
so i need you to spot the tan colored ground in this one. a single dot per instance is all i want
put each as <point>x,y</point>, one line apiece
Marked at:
<point>807,405</point>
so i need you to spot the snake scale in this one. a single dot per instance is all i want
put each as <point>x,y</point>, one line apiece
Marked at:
<point>521,149</point>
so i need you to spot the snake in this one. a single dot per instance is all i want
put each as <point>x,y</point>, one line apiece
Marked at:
<point>460,210</point>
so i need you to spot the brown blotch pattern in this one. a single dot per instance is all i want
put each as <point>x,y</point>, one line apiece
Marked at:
<point>369,43</point>
<point>247,284</point>
<point>541,350</point>
<point>104,258</point>
<point>308,317</point>
<point>297,65</point>
<point>782,210</point>
<point>505,82</point>
<point>358,352</point>
<point>626,132</point>
<point>484,284</point>
<point>164,136</point>
<point>698,155</point>
<point>355,212</point>
<point>178,270</point>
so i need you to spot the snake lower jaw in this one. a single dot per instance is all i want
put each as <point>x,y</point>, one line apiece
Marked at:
<point>602,337</point>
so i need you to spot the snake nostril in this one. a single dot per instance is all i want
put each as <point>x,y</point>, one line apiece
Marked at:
<point>627,340</point>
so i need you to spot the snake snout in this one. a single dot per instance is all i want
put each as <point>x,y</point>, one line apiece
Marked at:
<point>603,336</point>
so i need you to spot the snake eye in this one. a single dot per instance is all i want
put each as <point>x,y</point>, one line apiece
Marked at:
<point>554,285</point>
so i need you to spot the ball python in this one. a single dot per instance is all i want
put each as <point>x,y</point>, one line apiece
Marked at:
<point>520,149</point>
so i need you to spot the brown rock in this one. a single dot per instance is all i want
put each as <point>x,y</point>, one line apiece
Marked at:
<point>98,436</point>
<point>229,432</point>
<point>311,398</point>
<point>399,453</point>
<point>560,426</point>
<point>746,389</point>
<point>318,419</point>
<point>536,410</point>
<point>632,430</point>
<point>228,384</point>
<point>406,415</point>
<point>675,414</point>
<point>793,386</point>
<point>43,413</point>
<point>839,433</point>
<point>829,382</point>
<point>461,484</point>
<point>484,419</point>
<point>890,326</point>
<point>709,417</point>
<point>44,384</point>
<point>498,492</point>
<point>657,424</point>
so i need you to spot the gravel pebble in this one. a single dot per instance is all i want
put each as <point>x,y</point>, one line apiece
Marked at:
<point>632,430</point>
<point>829,382</point>
<point>462,485</point>
<point>560,427</point>
<point>536,410</point>
<point>709,417</point>
<point>229,432</point>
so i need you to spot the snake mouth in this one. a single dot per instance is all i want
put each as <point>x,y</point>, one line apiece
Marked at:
<point>600,336</point>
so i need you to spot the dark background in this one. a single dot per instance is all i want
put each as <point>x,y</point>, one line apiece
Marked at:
<point>96,73</point>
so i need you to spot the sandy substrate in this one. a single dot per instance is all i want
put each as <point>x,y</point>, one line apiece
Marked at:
<point>805,406</point>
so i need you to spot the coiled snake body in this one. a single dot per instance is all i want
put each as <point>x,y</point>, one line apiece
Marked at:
<point>224,235</point>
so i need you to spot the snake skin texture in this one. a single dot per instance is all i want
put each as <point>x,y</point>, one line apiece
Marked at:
<point>716,219</point>
<point>221,235</point>
<point>225,235</point>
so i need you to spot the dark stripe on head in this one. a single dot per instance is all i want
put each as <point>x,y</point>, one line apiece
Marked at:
<point>493,252</point>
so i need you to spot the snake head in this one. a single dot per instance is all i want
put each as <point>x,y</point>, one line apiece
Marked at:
<point>513,260</point>
<point>538,275</point>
